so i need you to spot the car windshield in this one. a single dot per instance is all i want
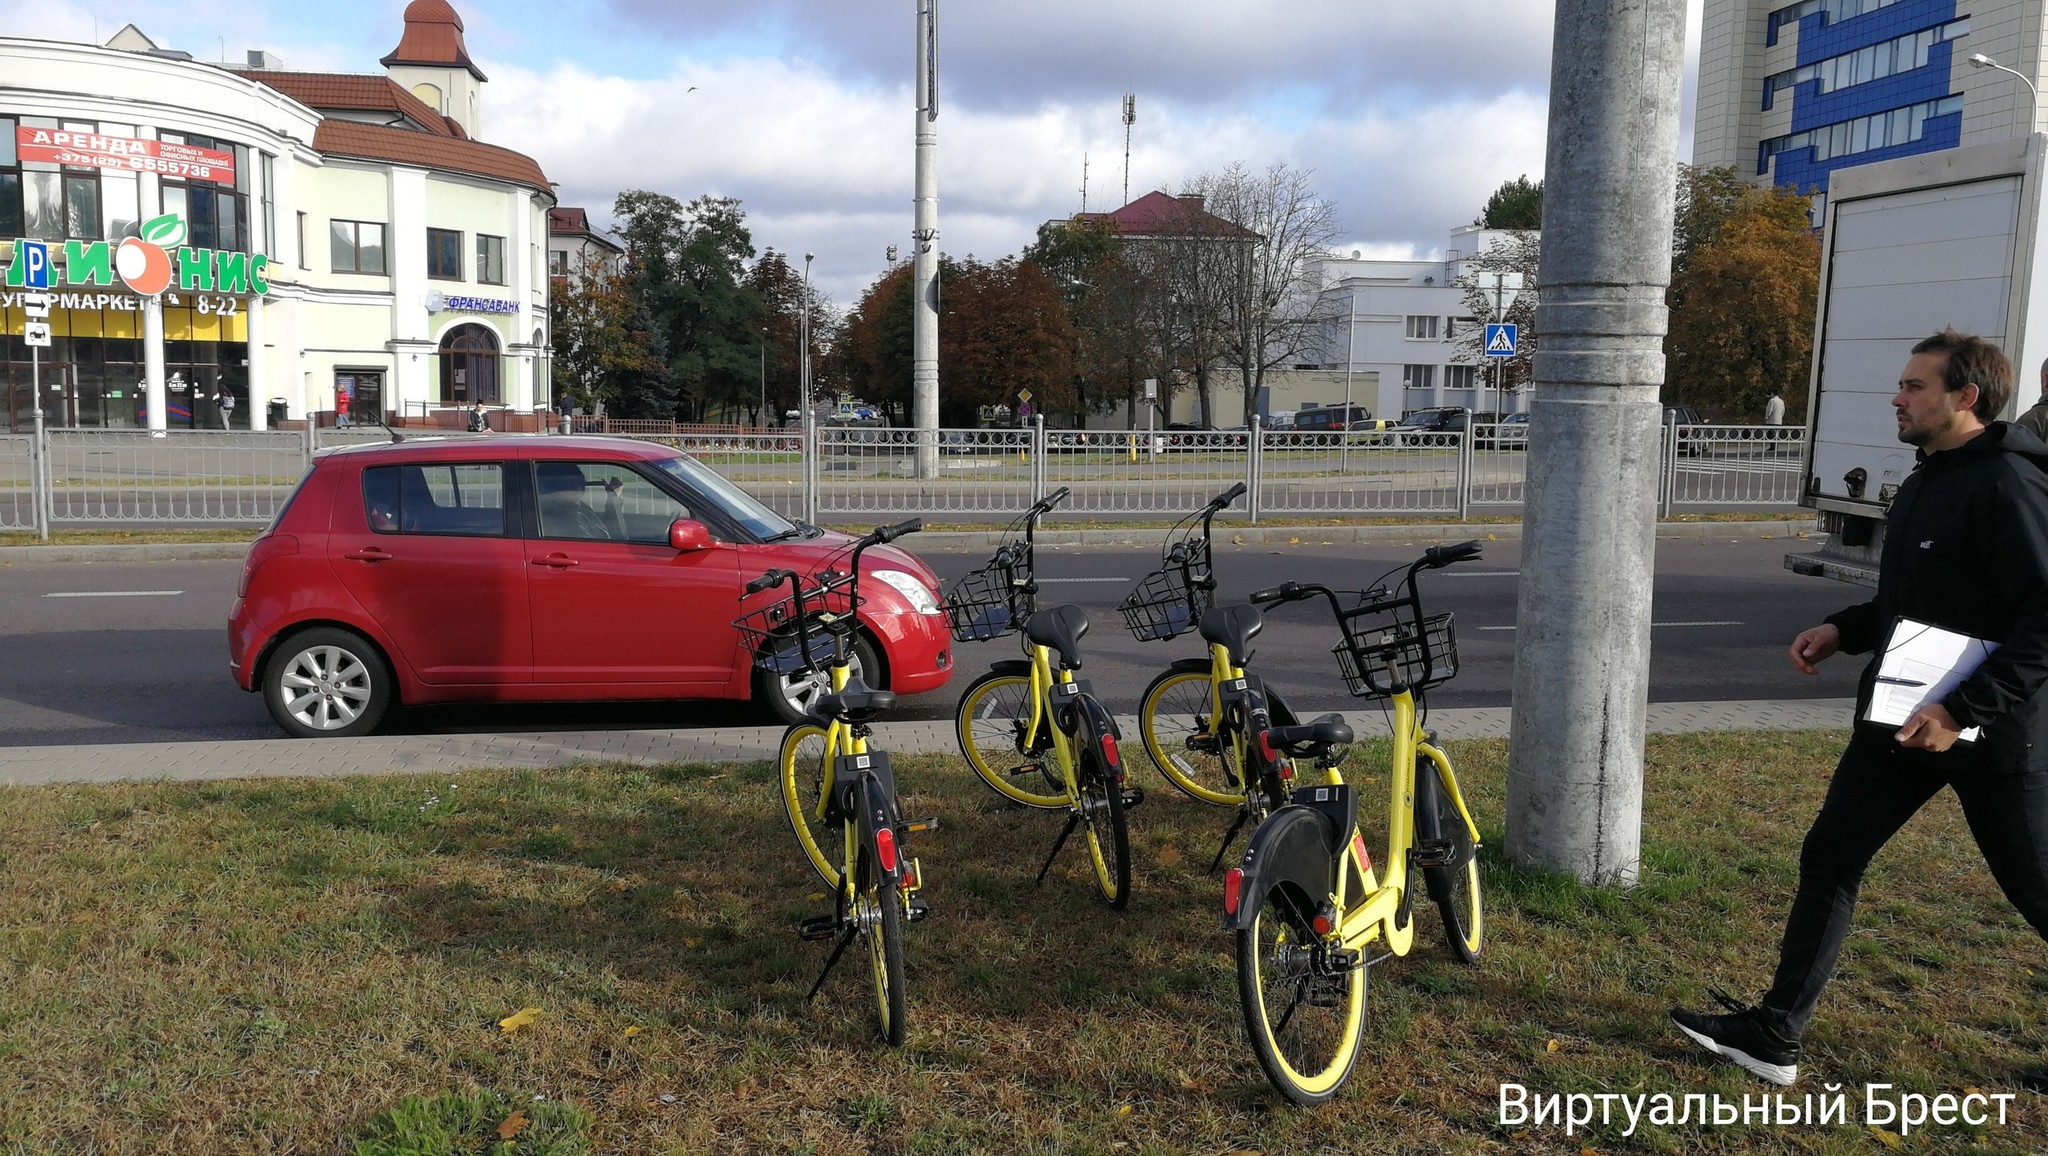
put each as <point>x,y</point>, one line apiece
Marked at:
<point>1426,417</point>
<point>739,505</point>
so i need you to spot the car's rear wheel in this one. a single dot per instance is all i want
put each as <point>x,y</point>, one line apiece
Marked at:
<point>327,683</point>
<point>788,697</point>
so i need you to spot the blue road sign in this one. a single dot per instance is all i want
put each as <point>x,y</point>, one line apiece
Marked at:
<point>1500,340</point>
<point>34,259</point>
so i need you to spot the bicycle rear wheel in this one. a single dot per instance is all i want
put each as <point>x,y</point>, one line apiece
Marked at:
<point>801,763</point>
<point>989,722</point>
<point>1109,842</point>
<point>1454,887</point>
<point>1305,1020</point>
<point>879,905</point>
<point>1175,720</point>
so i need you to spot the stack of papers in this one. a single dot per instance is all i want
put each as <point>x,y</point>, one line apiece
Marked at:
<point>1920,665</point>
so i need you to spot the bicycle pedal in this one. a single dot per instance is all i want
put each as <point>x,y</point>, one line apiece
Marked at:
<point>918,909</point>
<point>1433,853</point>
<point>920,826</point>
<point>818,927</point>
<point>1133,796</point>
<point>1204,744</point>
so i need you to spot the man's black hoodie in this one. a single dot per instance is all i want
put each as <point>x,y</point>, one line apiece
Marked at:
<point>1966,548</point>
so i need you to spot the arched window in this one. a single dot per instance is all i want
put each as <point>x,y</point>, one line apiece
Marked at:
<point>469,365</point>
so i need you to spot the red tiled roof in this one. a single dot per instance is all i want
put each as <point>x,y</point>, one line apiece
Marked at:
<point>565,219</point>
<point>376,142</point>
<point>354,92</point>
<point>1158,214</point>
<point>433,35</point>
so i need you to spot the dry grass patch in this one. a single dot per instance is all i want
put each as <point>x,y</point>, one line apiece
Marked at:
<point>287,966</point>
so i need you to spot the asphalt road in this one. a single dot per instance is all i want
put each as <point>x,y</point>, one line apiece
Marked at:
<point>136,651</point>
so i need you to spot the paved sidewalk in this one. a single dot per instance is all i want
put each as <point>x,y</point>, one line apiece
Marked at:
<point>321,758</point>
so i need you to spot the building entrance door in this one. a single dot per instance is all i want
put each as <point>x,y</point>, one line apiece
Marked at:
<point>60,396</point>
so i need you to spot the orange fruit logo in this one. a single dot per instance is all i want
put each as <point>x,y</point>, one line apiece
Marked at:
<point>144,262</point>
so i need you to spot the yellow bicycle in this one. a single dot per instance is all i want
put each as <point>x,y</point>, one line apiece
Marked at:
<point>1305,903</point>
<point>831,777</point>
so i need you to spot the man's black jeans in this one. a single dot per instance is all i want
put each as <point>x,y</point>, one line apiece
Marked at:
<point>1876,788</point>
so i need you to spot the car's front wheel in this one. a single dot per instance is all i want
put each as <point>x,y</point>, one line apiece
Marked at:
<point>788,697</point>
<point>327,683</point>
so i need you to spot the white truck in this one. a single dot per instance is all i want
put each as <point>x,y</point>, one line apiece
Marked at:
<point>1911,245</point>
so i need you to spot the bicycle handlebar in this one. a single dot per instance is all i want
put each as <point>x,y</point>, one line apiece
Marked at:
<point>883,535</point>
<point>1045,504</point>
<point>771,578</point>
<point>1228,496</point>
<point>1439,556</point>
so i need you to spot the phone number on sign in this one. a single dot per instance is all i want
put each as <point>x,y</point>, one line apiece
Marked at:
<point>159,165</point>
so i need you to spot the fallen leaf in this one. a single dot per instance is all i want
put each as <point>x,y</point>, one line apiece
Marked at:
<point>1123,1109</point>
<point>519,1019</point>
<point>513,1125</point>
<point>1552,1046</point>
<point>1888,1139</point>
<point>635,1030</point>
<point>1294,541</point>
<point>692,942</point>
<point>1167,856</point>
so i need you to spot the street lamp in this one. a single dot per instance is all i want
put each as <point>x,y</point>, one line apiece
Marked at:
<point>762,413</point>
<point>1979,60</point>
<point>804,352</point>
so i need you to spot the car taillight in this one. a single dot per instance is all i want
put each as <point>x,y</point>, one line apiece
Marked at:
<point>1233,889</point>
<point>263,550</point>
<point>885,849</point>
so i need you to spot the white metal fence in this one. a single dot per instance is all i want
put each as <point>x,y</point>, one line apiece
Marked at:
<point>94,476</point>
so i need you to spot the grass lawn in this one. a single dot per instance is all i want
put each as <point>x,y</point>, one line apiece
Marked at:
<point>323,967</point>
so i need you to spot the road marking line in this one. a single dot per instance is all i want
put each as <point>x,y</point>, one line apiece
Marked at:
<point>1483,574</point>
<point>1042,581</point>
<point>114,594</point>
<point>1652,624</point>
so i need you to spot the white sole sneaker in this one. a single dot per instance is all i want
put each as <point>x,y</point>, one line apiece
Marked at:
<point>1780,1074</point>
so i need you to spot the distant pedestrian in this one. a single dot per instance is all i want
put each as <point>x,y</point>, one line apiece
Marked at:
<point>1774,410</point>
<point>478,423</point>
<point>1966,549</point>
<point>225,402</point>
<point>2035,420</point>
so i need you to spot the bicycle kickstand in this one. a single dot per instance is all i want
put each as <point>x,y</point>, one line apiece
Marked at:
<point>1229,836</point>
<point>1073,821</point>
<point>838,949</point>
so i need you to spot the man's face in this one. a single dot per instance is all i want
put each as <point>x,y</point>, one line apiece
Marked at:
<point>1924,407</point>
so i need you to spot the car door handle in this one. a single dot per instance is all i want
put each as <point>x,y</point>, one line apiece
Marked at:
<point>558,561</point>
<point>367,554</point>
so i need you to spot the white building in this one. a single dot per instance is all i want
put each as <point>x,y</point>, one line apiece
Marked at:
<point>398,262</point>
<point>575,249</point>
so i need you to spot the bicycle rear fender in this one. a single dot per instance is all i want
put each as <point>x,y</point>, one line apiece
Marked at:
<point>1293,853</point>
<point>1191,665</point>
<point>853,777</point>
<point>876,797</point>
<point>1091,722</point>
<point>1017,666</point>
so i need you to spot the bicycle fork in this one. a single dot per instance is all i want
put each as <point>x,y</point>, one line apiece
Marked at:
<point>1085,726</point>
<point>865,801</point>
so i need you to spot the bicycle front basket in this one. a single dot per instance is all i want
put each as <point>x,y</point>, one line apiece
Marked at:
<point>771,633</point>
<point>1383,653</point>
<point>979,606</point>
<point>1163,606</point>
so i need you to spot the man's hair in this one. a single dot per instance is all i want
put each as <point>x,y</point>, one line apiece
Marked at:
<point>1973,360</point>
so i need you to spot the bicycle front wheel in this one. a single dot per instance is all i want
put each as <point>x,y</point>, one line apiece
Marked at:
<point>802,766</point>
<point>880,905</point>
<point>1305,1019</point>
<point>1454,887</point>
<point>1109,841</point>
<point>990,722</point>
<point>1175,720</point>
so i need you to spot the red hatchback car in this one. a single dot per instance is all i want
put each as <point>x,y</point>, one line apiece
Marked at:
<point>539,569</point>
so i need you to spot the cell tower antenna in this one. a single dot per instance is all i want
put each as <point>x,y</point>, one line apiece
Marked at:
<point>1084,182</point>
<point>1130,115</point>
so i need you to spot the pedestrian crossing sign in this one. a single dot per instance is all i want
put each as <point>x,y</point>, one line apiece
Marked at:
<point>1500,340</point>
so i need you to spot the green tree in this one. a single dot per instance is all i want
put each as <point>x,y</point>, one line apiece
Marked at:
<point>779,291</point>
<point>1106,298</point>
<point>872,355</point>
<point>690,263</point>
<point>1516,204</point>
<point>605,345</point>
<point>1708,195</point>
<point>1742,307</point>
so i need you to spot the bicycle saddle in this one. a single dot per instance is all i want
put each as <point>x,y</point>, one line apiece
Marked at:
<point>1060,628</point>
<point>1233,628</point>
<point>1312,738</point>
<point>855,704</point>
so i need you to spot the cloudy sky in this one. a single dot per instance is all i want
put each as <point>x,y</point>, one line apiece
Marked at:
<point>1409,114</point>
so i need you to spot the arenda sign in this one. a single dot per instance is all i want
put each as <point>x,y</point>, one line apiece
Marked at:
<point>150,263</point>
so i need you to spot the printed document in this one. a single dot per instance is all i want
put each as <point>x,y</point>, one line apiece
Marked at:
<point>1920,665</point>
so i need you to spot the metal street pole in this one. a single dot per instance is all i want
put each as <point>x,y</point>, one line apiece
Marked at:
<point>924,329</point>
<point>1344,435</point>
<point>1582,643</point>
<point>812,450</point>
<point>761,418</point>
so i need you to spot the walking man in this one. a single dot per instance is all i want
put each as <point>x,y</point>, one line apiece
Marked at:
<point>1774,409</point>
<point>1965,548</point>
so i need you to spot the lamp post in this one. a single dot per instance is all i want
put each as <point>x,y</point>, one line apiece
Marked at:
<point>1979,60</point>
<point>761,415</point>
<point>1350,337</point>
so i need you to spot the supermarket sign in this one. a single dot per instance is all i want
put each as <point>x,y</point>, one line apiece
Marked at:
<point>149,264</point>
<point>100,150</point>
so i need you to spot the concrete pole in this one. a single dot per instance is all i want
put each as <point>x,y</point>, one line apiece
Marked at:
<point>153,361</point>
<point>1575,762</point>
<point>924,302</point>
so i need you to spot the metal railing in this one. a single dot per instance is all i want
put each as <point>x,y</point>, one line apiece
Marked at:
<point>100,476</point>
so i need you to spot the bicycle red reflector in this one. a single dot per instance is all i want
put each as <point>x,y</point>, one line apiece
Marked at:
<point>1233,889</point>
<point>1358,845</point>
<point>1266,748</point>
<point>1109,750</point>
<point>885,849</point>
<point>1322,924</point>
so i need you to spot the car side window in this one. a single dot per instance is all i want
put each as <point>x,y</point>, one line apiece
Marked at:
<point>465,498</point>
<point>603,501</point>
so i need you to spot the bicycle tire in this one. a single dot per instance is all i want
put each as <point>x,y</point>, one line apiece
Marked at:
<point>874,891</point>
<point>800,763</point>
<point>1305,1024</point>
<point>1175,709</point>
<point>990,722</point>
<point>1455,888</point>
<point>1109,839</point>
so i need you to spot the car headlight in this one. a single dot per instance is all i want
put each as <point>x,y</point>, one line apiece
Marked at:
<point>916,593</point>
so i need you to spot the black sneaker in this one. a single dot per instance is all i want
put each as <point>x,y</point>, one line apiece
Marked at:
<point>1744,1037</point>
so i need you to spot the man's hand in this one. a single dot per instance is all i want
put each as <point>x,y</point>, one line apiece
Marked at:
<point>1931,728</point>
<point>1814,646</point>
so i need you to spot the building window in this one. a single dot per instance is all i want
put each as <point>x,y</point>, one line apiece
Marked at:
<point>1872,62</point>
<point>216,213</point>
<point>1461,376</point>
<point>358,246</point>
<point>469,365</point>
<point>490,259</point>
<point>558,262</point>
<point>1418,376</point>
<point>1422,328</point>
<point>1849,137</point>
<point>1836,11</point>
<point>444,254</point>
<point>268,192</point>
<point>304,262</point>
